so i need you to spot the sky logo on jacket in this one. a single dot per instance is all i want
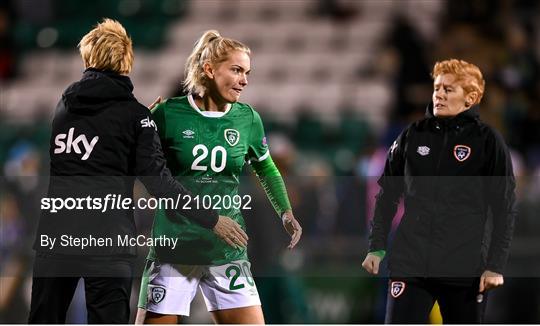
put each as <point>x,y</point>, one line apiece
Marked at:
<point>148,123</point>
<point>67,145</point>
<point>393,147</point>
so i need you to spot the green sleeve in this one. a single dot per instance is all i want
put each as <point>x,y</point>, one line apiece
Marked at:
<point>273,184</point>
<point>379,253</point>
<point>257,147</point>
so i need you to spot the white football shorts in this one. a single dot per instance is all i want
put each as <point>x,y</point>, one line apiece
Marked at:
<point>168,289</point>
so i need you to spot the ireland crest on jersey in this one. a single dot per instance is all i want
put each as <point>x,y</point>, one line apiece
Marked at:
<point>232,136</point>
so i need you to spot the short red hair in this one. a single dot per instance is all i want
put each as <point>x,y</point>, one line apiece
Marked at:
<point>468,75</point>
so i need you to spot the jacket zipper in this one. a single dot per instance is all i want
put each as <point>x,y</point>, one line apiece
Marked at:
<point>437,190</point>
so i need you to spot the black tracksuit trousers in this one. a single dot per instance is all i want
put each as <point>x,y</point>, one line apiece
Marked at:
<point>410,300</point>
<point>107,285</point>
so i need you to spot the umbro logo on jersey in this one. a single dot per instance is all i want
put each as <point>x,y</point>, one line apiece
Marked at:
<point>397,289</point>
<point>158,293</point>
<point>462,152</point>
<point>73,144</point>
<point>232,136</point>
<point>188,133</point>
<point>423,150</point>
<point>148,123</point>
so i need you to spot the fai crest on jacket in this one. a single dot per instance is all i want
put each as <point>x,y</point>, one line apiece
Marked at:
<point>462,152</point>
<point>232,136</point>
<point>397,289</point>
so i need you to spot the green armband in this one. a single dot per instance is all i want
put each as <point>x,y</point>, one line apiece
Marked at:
<point>379,253</point>
<point>273,185</point>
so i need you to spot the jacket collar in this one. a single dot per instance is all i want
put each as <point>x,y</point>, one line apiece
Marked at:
<point>121,80</point>
<point>96,90</point>
<point>472,114</point>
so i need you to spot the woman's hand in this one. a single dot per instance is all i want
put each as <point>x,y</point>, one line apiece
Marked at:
<point>155,103</point>
<point>292,227</point>
<point>231,232</point>
<point>371,263</point>
<point>490,280</point>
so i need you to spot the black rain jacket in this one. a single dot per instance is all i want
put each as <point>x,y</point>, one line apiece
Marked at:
<point>102,139</point>
<point>452,174</point>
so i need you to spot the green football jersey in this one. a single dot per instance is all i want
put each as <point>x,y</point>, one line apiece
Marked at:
<point>206,151</point>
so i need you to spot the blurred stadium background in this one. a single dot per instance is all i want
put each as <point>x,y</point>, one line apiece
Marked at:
<point>335,82</point>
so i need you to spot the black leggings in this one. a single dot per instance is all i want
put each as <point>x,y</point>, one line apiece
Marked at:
<point>410,300</point>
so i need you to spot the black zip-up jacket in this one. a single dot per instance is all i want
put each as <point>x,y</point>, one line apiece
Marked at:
<point>452,174</point>
<point>102,139</point>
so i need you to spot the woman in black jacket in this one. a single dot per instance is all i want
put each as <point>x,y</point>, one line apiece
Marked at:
<point>453,172</point>
<point>102,138</point>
